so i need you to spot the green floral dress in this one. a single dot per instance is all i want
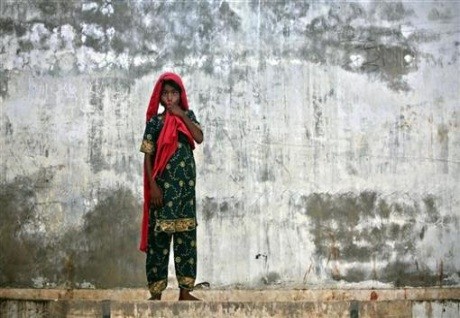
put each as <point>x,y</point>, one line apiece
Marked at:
<point>177,218</point>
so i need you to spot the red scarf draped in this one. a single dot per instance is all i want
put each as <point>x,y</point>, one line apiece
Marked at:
<point>166,145</point>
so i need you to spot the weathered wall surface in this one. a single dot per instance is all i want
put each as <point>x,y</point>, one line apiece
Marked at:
<point>331,148</point>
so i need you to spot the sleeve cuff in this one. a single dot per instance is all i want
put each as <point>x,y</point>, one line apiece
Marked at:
<point>147,146</point>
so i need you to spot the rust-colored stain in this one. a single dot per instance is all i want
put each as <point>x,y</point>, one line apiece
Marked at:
<point>374,296</point>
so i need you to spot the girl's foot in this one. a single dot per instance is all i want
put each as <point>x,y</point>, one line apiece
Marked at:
<point>155,297</point>
<point>185,295</point>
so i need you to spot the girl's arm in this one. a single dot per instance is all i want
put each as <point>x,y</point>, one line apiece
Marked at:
<point>196,132</point>
<point>156,196</point>
<point>148,160</point>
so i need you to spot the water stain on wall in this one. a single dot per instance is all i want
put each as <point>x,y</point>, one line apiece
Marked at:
<point>213,208</point>
<point>19,250</point>
<point>102,253</point>
<point>337,39</point>
<point>105,251</point>
<point>367,228</point>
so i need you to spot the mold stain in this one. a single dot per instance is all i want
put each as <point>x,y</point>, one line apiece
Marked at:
<point>359,48</point>
<point>213,208</point>
<point>367,228</point>
<point>106,247</point>
<point>19,249</point>
<point>102,253</point>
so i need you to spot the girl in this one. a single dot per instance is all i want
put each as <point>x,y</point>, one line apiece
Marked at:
<point>169,187</point>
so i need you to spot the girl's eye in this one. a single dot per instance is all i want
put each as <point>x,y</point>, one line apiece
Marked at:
<point>173,93</point>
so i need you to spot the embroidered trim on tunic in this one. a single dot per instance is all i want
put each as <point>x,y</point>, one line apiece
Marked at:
<point>186,282</point>
<point>147,146</point>
<point>157,287</point>
<point>178,225</point>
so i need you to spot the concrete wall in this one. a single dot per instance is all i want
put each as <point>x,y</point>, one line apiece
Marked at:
<point>331,151</point>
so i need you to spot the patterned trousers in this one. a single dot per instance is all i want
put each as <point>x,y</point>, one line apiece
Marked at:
<point>184,245</point>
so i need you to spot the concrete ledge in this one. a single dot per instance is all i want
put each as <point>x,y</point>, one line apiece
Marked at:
<point>240,295</point>
<point>327,309</point>
<point>409,302</point>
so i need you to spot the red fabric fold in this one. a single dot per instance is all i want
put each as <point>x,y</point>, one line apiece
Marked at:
<point>166,145</point>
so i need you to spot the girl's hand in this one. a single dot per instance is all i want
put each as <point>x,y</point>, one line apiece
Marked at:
<point>156,195</point>
<point>176,110</point>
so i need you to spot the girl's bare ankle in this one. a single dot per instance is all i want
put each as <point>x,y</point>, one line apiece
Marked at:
<point>184,294</point>
<point>155,296</point>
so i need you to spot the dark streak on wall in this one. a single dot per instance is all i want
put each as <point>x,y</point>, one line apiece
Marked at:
<point>4,77</point>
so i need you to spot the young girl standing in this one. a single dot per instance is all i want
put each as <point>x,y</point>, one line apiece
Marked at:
<point>169,187</point>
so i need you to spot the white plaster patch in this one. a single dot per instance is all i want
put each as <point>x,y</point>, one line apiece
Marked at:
<point>86,285</point>
<point>54,40</point>
<point>123,60</point>
<point>38,31</point>
<point>408,58</point>
<point>147,20</point>
<point>91,6</point>
<point>364,284</point>
<point>107,9</point>
<point>110,33</point>
<point>93,30</point>
<point>357,61</point>
<point>40,282</point>
<point>89,59</point>
<point>407,30</point>
<point>198,61</point>
<point>139,60</point>
<point>68,35</point>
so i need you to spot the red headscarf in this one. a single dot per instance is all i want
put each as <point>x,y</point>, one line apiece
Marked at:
<point>166,145</point>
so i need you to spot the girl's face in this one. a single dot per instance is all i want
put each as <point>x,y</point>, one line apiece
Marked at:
<point>170,96</point>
